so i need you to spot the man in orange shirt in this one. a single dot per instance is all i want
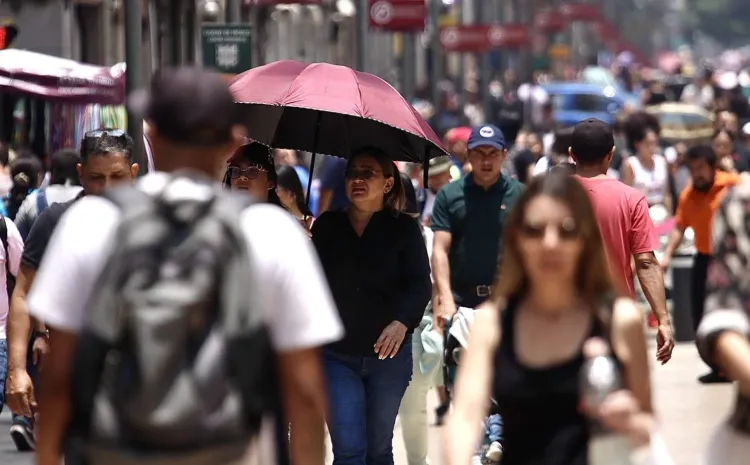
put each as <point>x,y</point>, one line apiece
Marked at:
<point>697,206</point>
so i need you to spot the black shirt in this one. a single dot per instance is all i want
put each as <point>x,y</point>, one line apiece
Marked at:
<point>522,161</point>
<point>41,232</point>
<point>376,278</point>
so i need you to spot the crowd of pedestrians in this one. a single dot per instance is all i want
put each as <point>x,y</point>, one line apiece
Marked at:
<point>166,318</point>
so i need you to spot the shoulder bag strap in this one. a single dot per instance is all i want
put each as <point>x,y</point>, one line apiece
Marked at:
<point>10,280</point>
<point>41,200</point>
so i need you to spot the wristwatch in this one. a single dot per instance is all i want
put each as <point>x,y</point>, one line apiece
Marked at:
<point>35,334</point>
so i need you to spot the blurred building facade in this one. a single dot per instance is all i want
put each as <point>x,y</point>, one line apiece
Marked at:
<point>93,31</point>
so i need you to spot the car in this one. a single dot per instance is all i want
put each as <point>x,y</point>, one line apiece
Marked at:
<point>573,102</point>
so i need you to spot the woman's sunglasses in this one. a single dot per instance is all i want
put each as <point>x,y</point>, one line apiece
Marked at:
<point>251,172</point>
<point>567,230</point>
<point>364,174</point>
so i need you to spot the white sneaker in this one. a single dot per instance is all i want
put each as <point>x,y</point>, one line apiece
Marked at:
<point>495,452</point>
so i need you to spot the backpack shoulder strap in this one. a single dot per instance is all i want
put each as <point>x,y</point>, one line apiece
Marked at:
<point>41,200</point>
<point>227,209</point>
<point>4,233</point>
<point>10,280</point>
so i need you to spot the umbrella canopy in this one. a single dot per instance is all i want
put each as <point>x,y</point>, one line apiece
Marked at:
<point>683,121</point>
<point>333,110</point>
<point>62,80</point>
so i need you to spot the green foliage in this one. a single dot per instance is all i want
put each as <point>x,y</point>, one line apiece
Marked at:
<point>727,21</point>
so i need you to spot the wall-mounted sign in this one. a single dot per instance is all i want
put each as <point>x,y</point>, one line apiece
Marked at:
<point>398,15</point>
<point>483,37</point>
<point>227,47</point>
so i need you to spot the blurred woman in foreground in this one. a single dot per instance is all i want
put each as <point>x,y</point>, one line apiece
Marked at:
<point>553,294</point>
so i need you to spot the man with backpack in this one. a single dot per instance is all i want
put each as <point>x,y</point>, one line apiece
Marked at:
<point>188,305</point>
<point>106,159</point>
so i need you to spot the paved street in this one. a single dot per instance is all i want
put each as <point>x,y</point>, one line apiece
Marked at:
<point>688,411</point>
<point>8,454</point>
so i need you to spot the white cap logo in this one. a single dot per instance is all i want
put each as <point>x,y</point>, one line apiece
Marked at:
<point>486,132</point>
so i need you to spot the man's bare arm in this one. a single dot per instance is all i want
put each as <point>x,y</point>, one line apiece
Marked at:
<point>441,273</point>
<point>19,322</point>
<point>650,275</point>
<point>733,356</point>
<point>305,404</point>
<point>675,239</point>
<point>54,398</point>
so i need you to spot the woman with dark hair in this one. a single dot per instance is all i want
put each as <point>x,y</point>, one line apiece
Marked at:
<point>251,169</point>
<point>647,169</point>
<point>552,299</point>
<point>291,195</point>
<point>724,143</point>
<point>377,267</point>
<point>26,173</point>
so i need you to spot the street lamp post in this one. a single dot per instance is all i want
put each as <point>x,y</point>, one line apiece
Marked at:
<point>133,72</point>
<point>363,24</point>
<point>436,71</point>
<point>233,11</point>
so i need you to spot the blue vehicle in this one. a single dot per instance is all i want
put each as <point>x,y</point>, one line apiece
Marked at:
<point>575,101</point>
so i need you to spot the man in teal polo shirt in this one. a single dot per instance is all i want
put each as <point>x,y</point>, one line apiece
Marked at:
<point>468,219</point>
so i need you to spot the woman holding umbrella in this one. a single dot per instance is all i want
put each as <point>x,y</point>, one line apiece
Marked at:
<point>377,267</point>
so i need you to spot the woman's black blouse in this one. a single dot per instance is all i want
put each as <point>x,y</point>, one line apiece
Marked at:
<point>376,278</point>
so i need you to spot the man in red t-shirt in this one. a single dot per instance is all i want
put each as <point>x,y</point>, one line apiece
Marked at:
<point>624,222</point>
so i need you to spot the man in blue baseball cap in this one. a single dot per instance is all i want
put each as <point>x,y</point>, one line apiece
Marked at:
<point>467,219</point>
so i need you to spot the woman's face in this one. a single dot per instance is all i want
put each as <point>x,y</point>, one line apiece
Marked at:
<point>649,145</point>
<point>246,177</point>
<point>366,184</point>
<point>549,241</point>
<point>722,145</point>
<point>286,197</point>
<point>534,144</point>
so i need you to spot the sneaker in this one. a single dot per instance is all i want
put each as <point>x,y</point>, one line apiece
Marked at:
<point>713,378</point>
<point>23,437</point>
<point>495,452</point>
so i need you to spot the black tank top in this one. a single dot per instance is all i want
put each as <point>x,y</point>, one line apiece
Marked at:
<point>542,424</point>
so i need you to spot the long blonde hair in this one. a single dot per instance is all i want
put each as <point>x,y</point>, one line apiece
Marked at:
<point>593,280</point>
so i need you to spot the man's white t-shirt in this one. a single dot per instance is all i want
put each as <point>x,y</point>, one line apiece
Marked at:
<point>291,288</point>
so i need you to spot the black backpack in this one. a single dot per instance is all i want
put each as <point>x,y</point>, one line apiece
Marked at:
<point>172,364</point>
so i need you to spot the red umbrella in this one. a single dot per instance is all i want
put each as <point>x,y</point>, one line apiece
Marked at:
<point>330,109</point>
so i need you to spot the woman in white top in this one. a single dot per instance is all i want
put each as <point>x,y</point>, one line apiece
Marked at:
<point>647,170</point>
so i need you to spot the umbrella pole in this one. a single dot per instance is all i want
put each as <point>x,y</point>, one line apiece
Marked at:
<point>426,167</point>
<point>314,155</point>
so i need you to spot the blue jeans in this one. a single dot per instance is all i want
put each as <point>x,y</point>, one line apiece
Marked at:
<point>365,394</point>
<point>32,371</point>
<point>3,370</point>
<point>494,428</point>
